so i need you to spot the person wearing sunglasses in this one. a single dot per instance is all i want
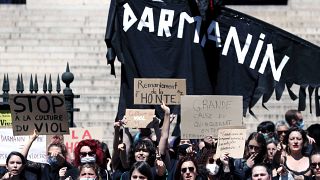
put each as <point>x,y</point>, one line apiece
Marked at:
<point>315,165</point>
<point>281,128</point>
<point>89,151</point>
<point>187,169</point>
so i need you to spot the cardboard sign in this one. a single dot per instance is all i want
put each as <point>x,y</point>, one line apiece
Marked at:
<point>8,143</point>
<point>44,112</point>
<point>139,118</point>
<point>203,115</point>
<point>154,91</point>
<point>232,141</point>
<point>5,118</point>
<point>78,134</point>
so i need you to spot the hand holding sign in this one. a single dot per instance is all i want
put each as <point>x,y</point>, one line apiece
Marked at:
<point>35,135</point>
<point>231,140</point>
<point>204,115</point>
<point>122,146</point>
<point>123,121</point>
<point>224,158</point>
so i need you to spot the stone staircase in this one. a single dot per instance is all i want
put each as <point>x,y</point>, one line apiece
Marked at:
<point>42,36</point>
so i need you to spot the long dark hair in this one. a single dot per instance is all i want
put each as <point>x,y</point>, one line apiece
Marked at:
<point>262,147</point>
<point>177,175</point>
<point>314,132</point>
<point>304,139</point>
<point>144,168</point>
<point>143,144</point>
<point>23,161</point>
<point>15,153</point>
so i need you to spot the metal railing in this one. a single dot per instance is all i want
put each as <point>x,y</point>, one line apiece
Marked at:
<point>67,78</point>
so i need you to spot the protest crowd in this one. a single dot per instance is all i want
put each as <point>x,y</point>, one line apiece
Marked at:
<point>280,150</point>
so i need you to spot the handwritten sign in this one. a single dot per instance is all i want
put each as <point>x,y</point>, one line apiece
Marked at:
<point>139,118</point>
<point>5,118</point>
<point>232,141</point>
<point>203,115</point>
<point>154,91</point>
<point>46,113</point>
<point>8,143</point>
<point>78,134</point>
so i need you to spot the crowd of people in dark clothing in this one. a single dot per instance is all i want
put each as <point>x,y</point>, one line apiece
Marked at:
<point>280,150</point>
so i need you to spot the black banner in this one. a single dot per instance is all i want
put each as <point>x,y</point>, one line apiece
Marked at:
<point>256,58</point>
<point>243,55</point>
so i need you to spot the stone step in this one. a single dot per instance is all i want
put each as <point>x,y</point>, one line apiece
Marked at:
<point>62,4</point>
<point>99,99</point>
<point>51,55</point>
<point>52,49</point>
<point>98,117</point>
<point>55,30</point>
<point>22,11</point>
<point>56,24</point>
<point>52,42</point>
<point>107,106</point>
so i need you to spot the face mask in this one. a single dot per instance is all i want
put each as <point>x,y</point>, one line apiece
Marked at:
<point>52,161</point>
<point>87,178</point>
<point>182,149</point>
<point>88,159</point>
<point>300,124</point>
<point>212,168</point>
<point>267,137</point>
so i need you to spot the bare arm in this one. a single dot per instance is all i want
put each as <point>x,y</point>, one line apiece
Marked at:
<point>26,147</point>
<point>127,142</point>
<point>163,143</point>
<point>165,130</point>
<point>115,153</point>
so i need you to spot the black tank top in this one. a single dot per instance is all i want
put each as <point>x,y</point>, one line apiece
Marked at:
<point>296,172</point>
